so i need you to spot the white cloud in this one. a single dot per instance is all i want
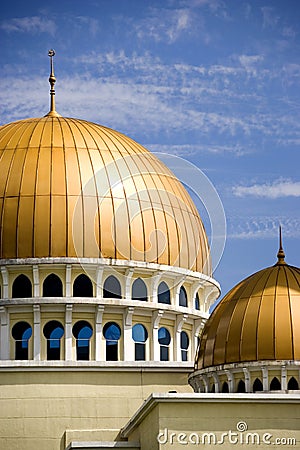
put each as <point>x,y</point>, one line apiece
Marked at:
<point>270,19</point>
<point>175,23</point>
<point>91,23</point>
<point>33,24</point>
<point>262,227</point>
<point>277,189</point>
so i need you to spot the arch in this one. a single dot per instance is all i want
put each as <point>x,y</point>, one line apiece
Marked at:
<point>213,388</point>
<point>140,336</point>
<point>183,297</point>
<point>241,387</point>
<point>112,334</point>
<point>164,339</point>
<point>21,332</point>
<point>53,332</point>
<point>52,286</point>
<point>184,345</point>
<point>112,287</point>
<point>293,384</point>
<point>275,385</point>
<point>82,286</point>
<point>164,293</point>
<point>257,385</point>
<point>139,290</point>
<point>82,331</point>
<point>21,287</point>
<point>197,302</point>
<point>225,388</point>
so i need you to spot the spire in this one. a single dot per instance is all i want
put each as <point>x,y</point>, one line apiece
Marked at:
<point>52,81</point>
<point>280,254</point>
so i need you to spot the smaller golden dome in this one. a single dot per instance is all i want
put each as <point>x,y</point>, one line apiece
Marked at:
<point>259,319</point>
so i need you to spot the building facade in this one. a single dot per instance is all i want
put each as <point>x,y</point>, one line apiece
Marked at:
<point>106,287</point>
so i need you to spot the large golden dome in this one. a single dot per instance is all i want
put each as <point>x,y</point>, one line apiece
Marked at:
<point>257,320</point>
<point>71,188</point>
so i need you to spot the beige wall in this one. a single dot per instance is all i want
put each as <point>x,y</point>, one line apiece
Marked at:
<point>37,407</point>
<point>217,414</point>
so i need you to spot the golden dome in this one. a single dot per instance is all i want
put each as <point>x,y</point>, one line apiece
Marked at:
<point>72,188</point>
<point>257,320</point>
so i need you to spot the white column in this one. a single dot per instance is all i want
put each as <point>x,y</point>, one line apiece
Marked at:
<point>194,289</point>
<point>100,344</point>
<point>265,375</point>
<point>198,326</point>
<point>68,280</point>
<point>283,378</point>
<point>205,382</point>
<point>128,277</point>
<point>36,332</point>
<point>36,281</point>
<point>68,333</point>
<point>155,279</point>
<point>217,382</point>
<point>4,274</point>
<point>4,334</point>
<point>128,343</point>
<point>99,282</point>
<point>155,348</point>
<point>180,319</point>
<point>176,289</point>
<point>248,387</point>
<point>230,380</point>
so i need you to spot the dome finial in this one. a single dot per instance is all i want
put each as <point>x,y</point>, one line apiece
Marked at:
<point>280,254</point>
<point>52,81</point>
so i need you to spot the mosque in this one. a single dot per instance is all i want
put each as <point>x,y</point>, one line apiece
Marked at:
<point>106,340</point>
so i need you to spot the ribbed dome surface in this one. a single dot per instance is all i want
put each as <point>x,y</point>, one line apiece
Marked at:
<point>259,319</point>
<point>71,188</point>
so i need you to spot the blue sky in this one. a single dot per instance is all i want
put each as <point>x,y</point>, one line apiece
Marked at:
<point>214,82</point>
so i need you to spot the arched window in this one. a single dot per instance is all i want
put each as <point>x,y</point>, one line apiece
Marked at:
<point>21,333</point>
<point>241,387</point>
<point>112,334</point>
<point>184,345</point>
<point>52,286</point>
<point>257,385</point>
<point>164,340</point>
<point>82,331</point>
<point>275,385</point>
<point>21,287</point>
<point>213,388</point>
<point>140,336</point>
<point>82,286</point>
<point>53,332</point>
<point>182,297</point>
<point>164,293</point>
<point>293,384</point>
<point>197,302</point>
<point>111,288</point>
<point>225,388</point>
<point>139,290</point>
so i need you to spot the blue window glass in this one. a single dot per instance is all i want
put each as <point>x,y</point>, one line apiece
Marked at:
<point>112,334</point>
<point>164,340</point>
<point>82,332</point>
<point>182,297</point>
<point>140,336</point>
<point>164,293</point>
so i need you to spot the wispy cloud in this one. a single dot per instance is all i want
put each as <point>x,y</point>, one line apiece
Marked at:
<point>175,23</point>
<point>262,227</point>
<point>270,18</point>
<point>214,101</point>
<point>33,25</point>
<point>277,189</point>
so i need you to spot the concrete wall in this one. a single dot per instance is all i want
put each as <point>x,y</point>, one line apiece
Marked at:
<point>45,409</point>
<point>175,421</point>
